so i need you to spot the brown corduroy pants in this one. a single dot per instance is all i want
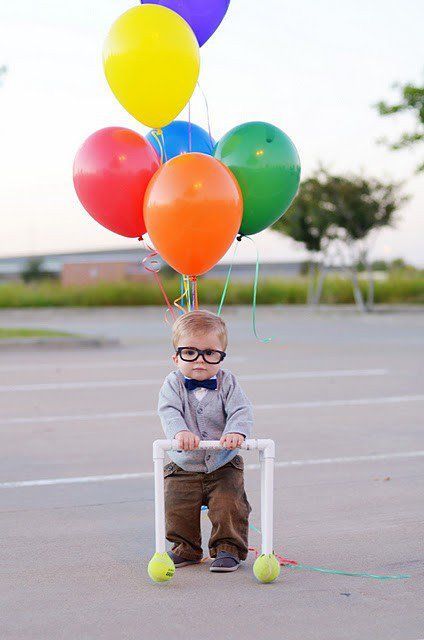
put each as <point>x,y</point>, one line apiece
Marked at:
<point>222,491</point>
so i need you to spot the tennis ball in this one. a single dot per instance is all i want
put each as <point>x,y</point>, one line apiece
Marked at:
<point>266,568</point>
<point>161,568</point>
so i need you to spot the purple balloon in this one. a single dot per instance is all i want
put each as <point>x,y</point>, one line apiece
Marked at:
<point>203,16</point>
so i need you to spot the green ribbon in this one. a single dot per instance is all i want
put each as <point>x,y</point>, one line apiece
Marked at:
<point>227,281</point>
<point>336,572</point>
<point>374,576</point>
<point>255,288</point>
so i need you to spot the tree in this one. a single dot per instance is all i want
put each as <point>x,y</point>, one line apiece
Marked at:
<point>336,215</point>
<point>362,206</point>
<point>308,223</point>
<point>411,101</point>
<point>33,270</point>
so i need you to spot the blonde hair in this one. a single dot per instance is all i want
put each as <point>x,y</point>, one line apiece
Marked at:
<point>200,321</point>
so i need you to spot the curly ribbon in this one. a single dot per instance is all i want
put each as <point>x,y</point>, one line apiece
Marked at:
<point>292,564</point>
<point>184,294</point>
<point>155,134</point>
<point>184,283</point>
<point>182,289</point>
<point>152,265</point>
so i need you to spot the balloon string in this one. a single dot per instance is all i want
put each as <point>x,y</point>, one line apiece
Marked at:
<point>152,265</point>
<point>184,294</point>
<point>156,137</point>
<point>190,304</point>
<point>292,564</point>
<point>164,146</point>
<point>181,288</point>
<point>207,115</point>
<point>255,291</point>
<point>187,292</point>
<point>227,281</point>
<point>189,126</point>
<point>194,295</point>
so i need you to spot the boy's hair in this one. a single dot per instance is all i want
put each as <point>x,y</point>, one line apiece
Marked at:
<point>200,321</point>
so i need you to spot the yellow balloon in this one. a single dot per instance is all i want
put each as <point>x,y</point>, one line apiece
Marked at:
<point>151,61</point>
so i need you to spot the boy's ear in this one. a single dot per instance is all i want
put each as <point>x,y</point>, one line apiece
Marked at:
<point>174,358</point>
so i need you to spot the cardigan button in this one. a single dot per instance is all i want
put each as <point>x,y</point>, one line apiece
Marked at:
<point>200,410</point>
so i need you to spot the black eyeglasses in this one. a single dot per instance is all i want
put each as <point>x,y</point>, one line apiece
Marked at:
<point>191,354</point>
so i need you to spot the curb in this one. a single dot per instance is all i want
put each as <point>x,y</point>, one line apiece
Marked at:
<point>57,343</point>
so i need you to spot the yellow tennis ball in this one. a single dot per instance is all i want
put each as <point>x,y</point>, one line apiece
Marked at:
<point>161,568</point>
<point>266,568</point>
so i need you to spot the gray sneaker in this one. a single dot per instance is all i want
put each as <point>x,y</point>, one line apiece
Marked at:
<point>181,562</point>
<point>224,563</point>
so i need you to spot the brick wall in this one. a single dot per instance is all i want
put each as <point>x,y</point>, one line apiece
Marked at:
<point>92,272</point>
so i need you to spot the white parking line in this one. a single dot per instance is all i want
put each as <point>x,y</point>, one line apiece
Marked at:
<point>104,384</point>
<point>311,404</point>
<point>250,467</point>
<point>118,364</point>
<point>121,415</point>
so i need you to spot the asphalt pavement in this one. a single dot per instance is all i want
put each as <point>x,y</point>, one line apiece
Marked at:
<point>341,394</point>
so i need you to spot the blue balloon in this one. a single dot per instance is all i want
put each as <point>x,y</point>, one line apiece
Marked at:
<point>181,137</point>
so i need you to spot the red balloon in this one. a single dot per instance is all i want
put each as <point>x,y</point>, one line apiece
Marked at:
<point>111,172</point>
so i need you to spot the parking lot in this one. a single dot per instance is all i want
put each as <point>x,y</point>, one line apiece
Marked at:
<point>341,394</point>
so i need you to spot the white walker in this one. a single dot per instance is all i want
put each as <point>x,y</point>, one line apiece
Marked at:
<point>266,567</point>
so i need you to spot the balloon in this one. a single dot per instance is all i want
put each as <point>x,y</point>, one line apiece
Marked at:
<point>193,209</point>
<point>182,137</point>
<point>203,16</point>
<point>267,167</point>
<point>111,172</point>
<point>151,61</point>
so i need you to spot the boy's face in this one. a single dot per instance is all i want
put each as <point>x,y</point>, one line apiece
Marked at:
<point>199,369</point>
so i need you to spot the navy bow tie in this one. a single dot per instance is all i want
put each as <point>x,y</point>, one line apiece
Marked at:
<point>191,384</point>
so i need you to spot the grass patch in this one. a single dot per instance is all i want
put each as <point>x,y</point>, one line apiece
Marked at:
<point>397,289</point>
<point>12,332</point>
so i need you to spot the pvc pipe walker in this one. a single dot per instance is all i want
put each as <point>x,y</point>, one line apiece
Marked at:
<point>266,449</point>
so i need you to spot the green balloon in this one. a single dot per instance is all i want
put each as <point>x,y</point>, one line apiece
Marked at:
<point>266,164</point>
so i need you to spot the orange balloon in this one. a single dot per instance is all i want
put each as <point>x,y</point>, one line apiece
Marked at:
<point>193,210</point>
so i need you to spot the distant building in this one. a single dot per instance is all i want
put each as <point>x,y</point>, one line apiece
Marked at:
<point>117,265</point>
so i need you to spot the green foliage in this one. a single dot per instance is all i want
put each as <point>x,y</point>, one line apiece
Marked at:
<point>12,332</point>
<point>34,271</point>
<point>358,205</point>
<point>411,101</point>
<point>380,265</point>
<point>400,287</point>
<point>345,207</point>
<point>307,221</point>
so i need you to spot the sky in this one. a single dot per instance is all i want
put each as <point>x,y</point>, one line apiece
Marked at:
<point>314,68</point>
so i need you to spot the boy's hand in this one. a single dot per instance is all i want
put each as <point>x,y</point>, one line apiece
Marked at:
<point>232,440</point>
<point>187,441</point>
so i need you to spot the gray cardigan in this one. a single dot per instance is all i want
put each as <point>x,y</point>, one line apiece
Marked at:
<point>221,411</point>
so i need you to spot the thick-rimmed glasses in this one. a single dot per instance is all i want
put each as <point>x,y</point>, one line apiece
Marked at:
<point>191,354</point>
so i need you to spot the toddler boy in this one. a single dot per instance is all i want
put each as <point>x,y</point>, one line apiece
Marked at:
<point>201,401</point>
